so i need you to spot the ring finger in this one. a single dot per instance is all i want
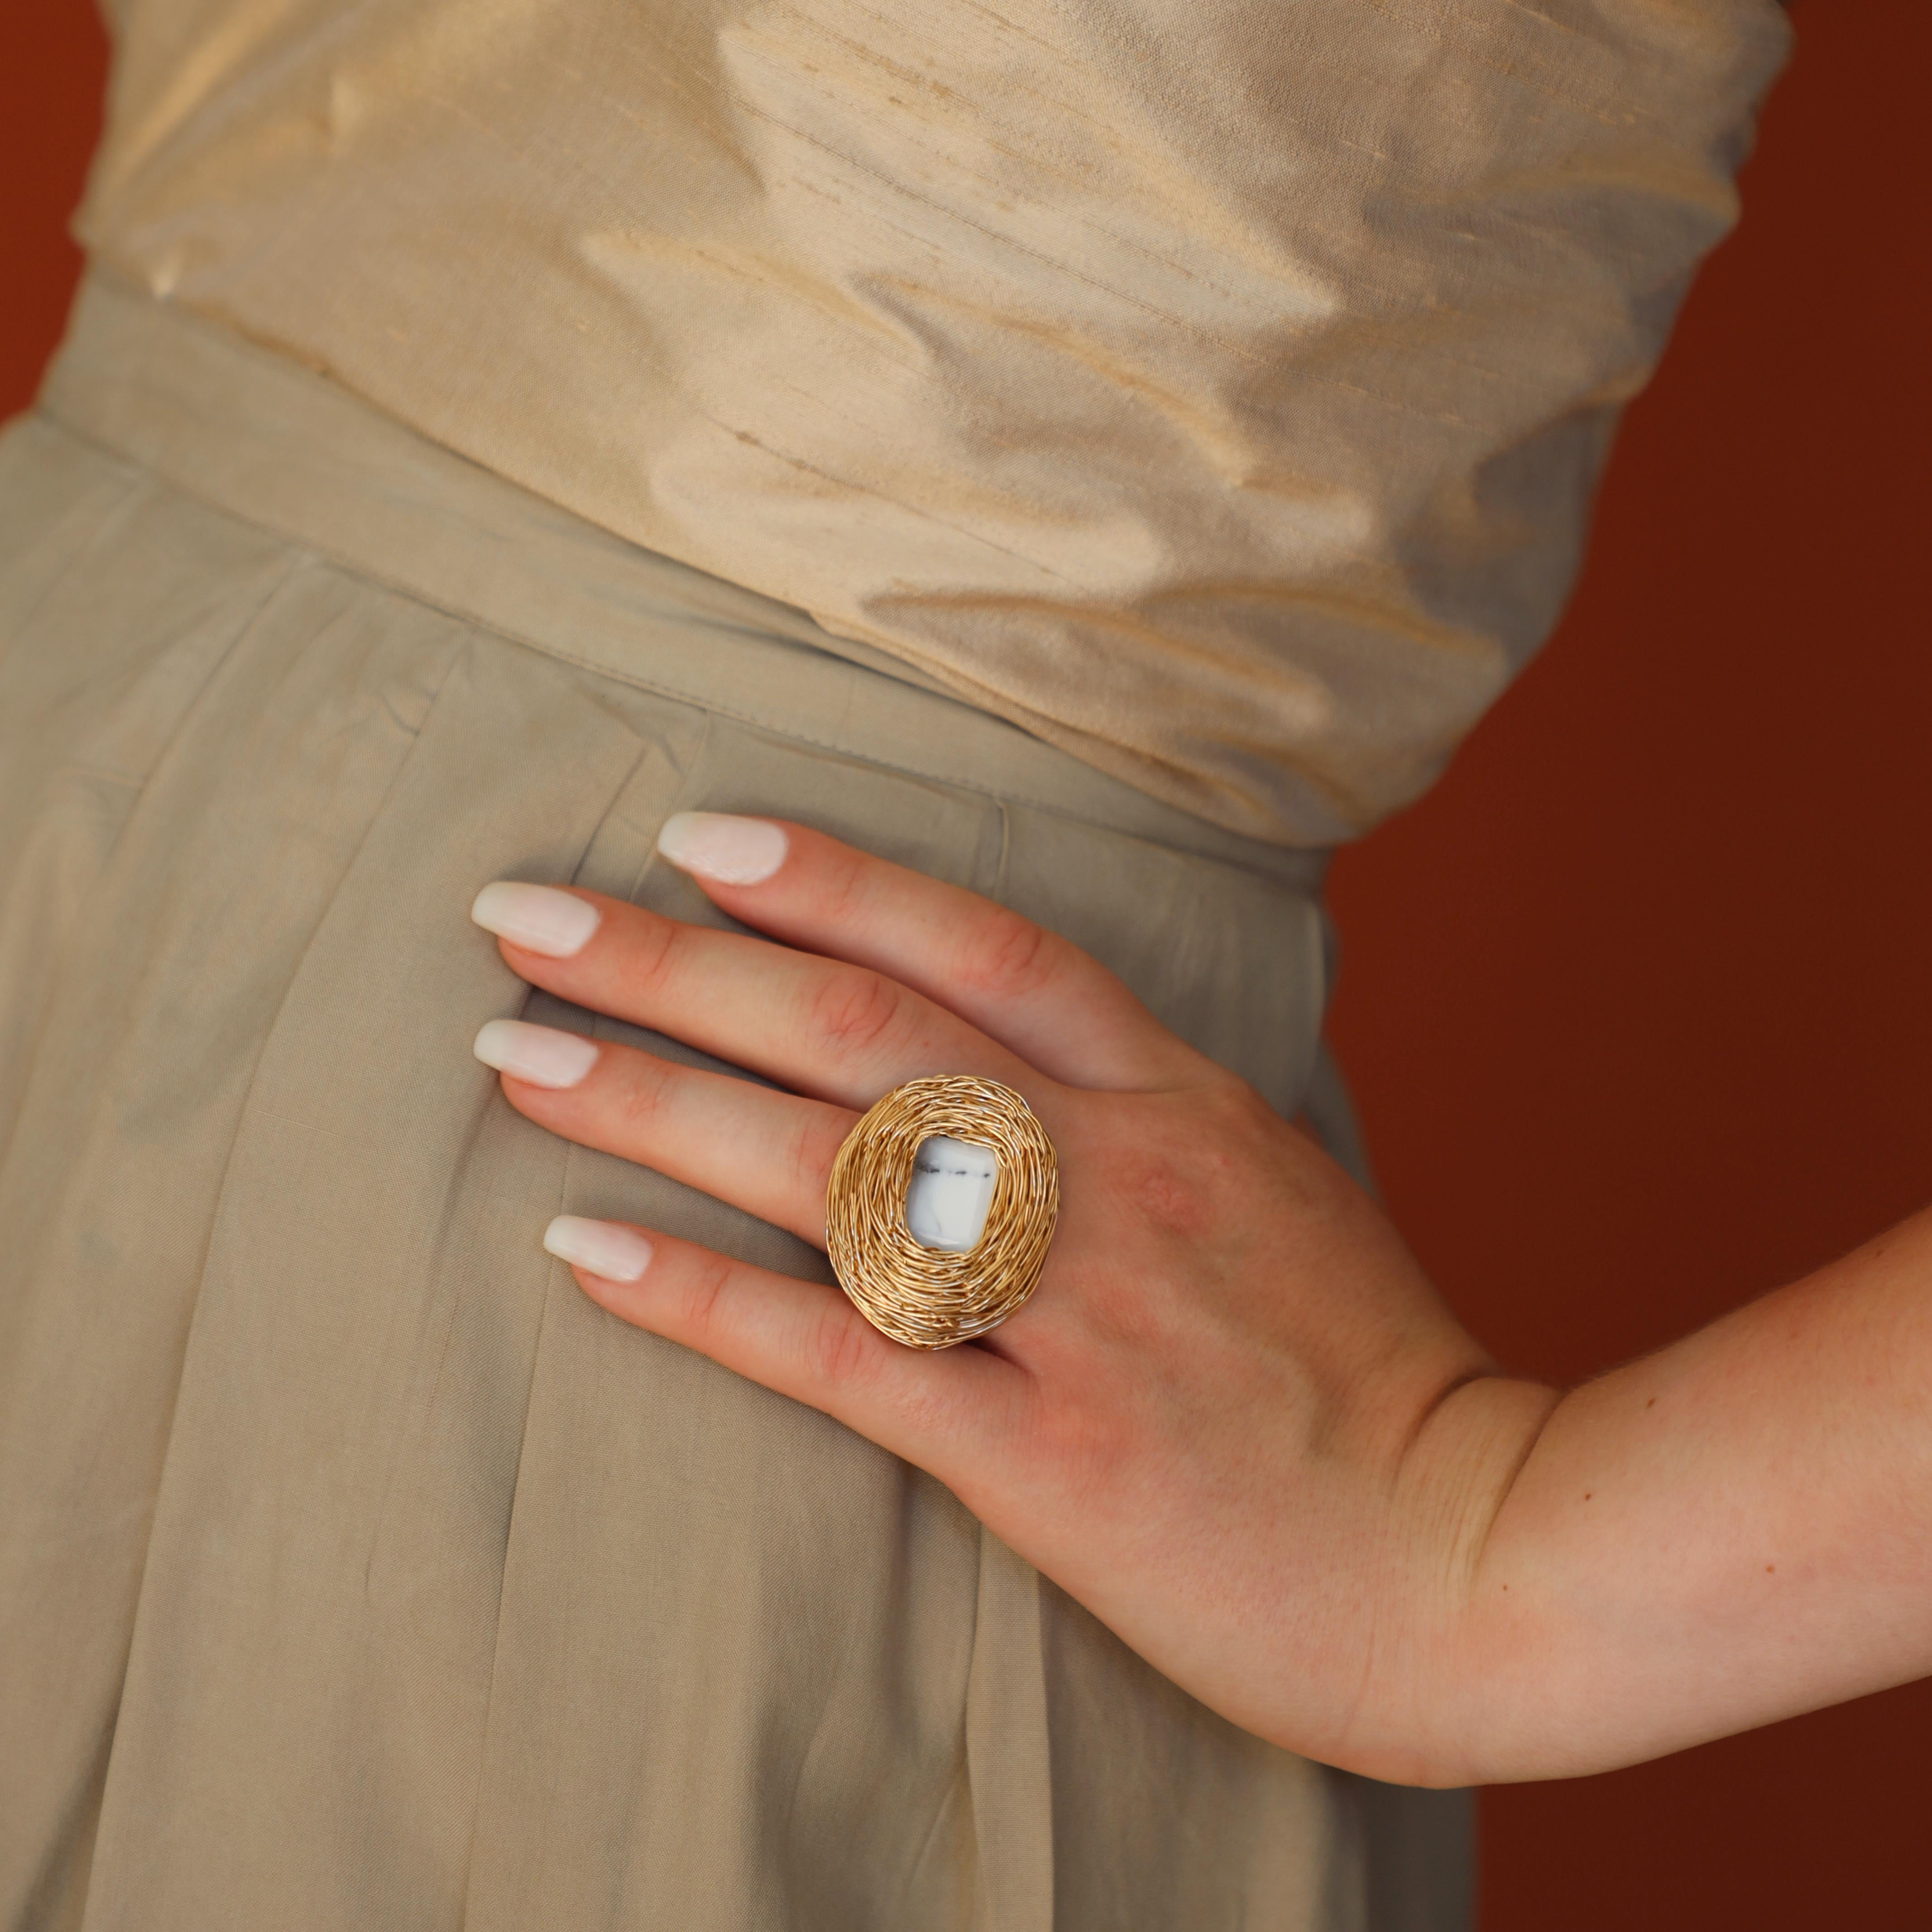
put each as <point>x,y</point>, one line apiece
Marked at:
<point>768,1152</point>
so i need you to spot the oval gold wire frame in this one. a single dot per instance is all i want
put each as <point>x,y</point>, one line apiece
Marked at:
<point>925,1296</point>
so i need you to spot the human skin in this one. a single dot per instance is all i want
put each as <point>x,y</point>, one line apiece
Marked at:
<point>1235,1421</point>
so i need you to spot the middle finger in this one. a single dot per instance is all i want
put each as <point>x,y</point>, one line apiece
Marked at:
<point>840,1033</point>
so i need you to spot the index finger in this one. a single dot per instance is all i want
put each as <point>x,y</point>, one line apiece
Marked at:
<point>1035,993</point>
<point>822,1026</point>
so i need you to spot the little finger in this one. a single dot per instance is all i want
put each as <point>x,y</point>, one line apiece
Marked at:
<point>947,1412</point>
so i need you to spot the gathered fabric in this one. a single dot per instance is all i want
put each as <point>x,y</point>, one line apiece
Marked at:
<point>1218,391</point>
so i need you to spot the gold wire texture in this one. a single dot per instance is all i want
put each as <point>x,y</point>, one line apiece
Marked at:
<point>924,1297</point>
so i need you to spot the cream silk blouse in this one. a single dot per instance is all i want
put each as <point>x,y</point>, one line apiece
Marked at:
<point>1217,390</point>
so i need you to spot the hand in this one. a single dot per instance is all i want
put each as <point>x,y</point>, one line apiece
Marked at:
<point>1234,1421</point>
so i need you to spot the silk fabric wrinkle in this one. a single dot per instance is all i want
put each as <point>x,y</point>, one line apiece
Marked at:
<point>1218,394</point>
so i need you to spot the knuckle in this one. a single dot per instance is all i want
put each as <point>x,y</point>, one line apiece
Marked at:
<point>1237,1112</point>
<point>837,1348</point>
<point>1171,1201</point>
<point>854,1012</point>
<point>925,1408</point>
<point>1086,1440</point>
<point>844,885</point>
<point>814,1146</point>
<point>1189,1165</point>
<point>655,953</point>
<point>707,1278</point>
<point>1010,956</point>
<point>1163,1185</point>
<point>645,1097</point>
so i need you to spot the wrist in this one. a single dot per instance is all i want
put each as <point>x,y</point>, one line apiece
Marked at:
<point>1425,1718</point>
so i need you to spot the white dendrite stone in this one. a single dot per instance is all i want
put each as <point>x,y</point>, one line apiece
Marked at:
<point>950,1191</point>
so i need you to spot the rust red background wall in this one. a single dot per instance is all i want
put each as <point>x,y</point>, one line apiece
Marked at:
<point>1635,1003</point>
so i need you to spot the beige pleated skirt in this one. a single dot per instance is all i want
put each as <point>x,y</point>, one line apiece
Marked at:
<point>356,1571</point>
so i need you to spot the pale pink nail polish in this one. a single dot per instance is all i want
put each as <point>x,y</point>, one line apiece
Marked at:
<point>599,1247</point>
<point>538,918</point>
<point>544,1056</point>
<point>720,845</point>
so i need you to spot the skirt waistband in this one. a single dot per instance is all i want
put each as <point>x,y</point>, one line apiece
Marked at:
<point>268,440</point>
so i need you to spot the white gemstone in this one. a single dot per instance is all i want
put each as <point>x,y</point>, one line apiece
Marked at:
<point>951,1189</point>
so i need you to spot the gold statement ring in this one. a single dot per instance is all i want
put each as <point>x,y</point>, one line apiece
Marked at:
<point>929,1297</point>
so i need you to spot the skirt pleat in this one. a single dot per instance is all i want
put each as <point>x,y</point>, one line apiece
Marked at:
<point>356,1569</point>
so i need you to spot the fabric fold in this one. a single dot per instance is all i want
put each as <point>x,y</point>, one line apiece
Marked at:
<point>354,1568</point>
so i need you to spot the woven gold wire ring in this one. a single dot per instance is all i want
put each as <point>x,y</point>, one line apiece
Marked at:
<point>925,1296</point>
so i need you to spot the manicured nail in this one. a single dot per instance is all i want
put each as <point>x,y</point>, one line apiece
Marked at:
<point>540,919</point>
<point>600,1247</point>
<point>542,1055</point>
<point>721,846</point>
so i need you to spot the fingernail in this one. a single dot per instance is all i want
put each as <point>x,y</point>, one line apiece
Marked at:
<point>720,845</point>
<point>538,918</point>
<point>602,1247</point>
<point>542,1055</point>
